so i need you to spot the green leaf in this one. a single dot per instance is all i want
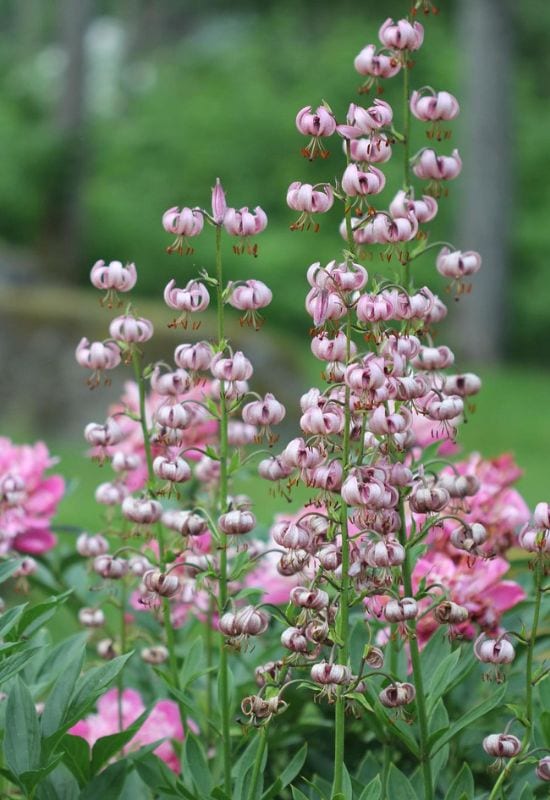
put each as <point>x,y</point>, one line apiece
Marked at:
<point>440,679</point>
<point>195,764</point>
<point>13,664</point>
<point>193,663</point>
<point>347,789</point>
<point>545,727</point>
<point>36,615</point>
<point>108,746</point>
<point>10,618</point>
<point>60,696</point>
<point>368,769</point>
<point>288,774</point>
<point>298,795</point>
<point>91,685</point>
<point>372,790</point>
<point>526,793</point>
<point>58,785</point>
<point>22,735</point>
<point>154,772</point>
<point>58,657</point>
<point>467,719</point>
<point>244,765</point>
<point>8,567</point>
<point>399,785</point>
<point>108,784</point>
<point>463,785</point>
<point>33,777</point>
<point>76,755</point>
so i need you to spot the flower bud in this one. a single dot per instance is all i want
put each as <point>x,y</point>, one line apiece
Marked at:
<point>175,470</point>
<point>131,330</point>
<point>429,500</point>
<point>107,649</point>
<point>154,655</point>
<point>184,522</point>
<point>91,617</point>
<point>274,468</point>
<point>103,435</point>
<point>113,276</point>
<point>434,107</point>
<point>535,541</point>
<point>251,621</point>
<point>397,694</point>
<point>193,357</point>
<point>449,613</point>
<point>336,674</point>
<point>494,651</point>
<point>170,384</point>
<point>110,566</point>
<point>294,639</point>
<point>502,745</point>
<point>159,583</point>
<point>237,522</point>
<point>91,545</point>
<point>543,769</point>
<point>141,510</point>
<point>400,610</point>
<point>315,599</point>
<point>374,657</point>
<point>401,35</point>
<point>385,553</point>
<point>541,517</point>
<point>27,567</point>
<point>233,368</point>
<point>110,494</point>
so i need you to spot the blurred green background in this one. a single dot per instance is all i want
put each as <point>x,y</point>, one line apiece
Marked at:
<point>112,111</point>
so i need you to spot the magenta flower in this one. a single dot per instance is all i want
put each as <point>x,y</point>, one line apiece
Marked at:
<point>162,723</point>
<point>309,200</point>
<point>28,498</point>
<point>364,121</point>
<point>219,204</point>
<point>183,223</point>
<point>377,65</point>
<point>320,123</point>
<point>244,223</point>
<point>434,107</point>
<point>401,35</point>
<point>430,166</point>
<point>478,587</point>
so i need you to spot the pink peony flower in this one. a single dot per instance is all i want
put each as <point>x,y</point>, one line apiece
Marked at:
<point>478,587</point>
<point>162,723</point>
<point>25,514</point>
<point>496,505</point>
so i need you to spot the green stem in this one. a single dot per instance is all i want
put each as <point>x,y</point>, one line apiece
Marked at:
<point>209,665</point>
<point>406,149</point>
<point>417,669</point>
<point>262,733</point>
<point>342,621</point>
<point>122,651</point>
<point>168,629</point>
<point>223,487</point>
<point>528,682</point>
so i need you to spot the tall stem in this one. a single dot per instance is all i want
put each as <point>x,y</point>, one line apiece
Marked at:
<point>342,621</point>
<point>167,622</point>
<point>406,572</point>
<point>539,570</point>
<point>262,733</point>
<point>222,591</point>
<point>406,149</point>
<point>122,651</point>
